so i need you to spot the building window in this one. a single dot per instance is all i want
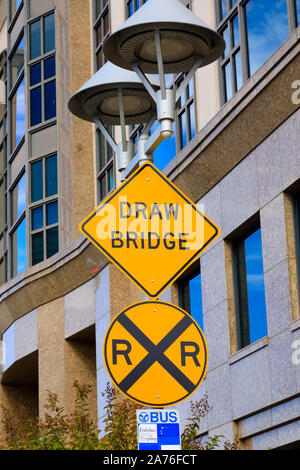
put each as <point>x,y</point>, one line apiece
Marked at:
<point>42,83</point>
<point>44,209</point>
<point>297,232</point>
<point>18,114</point>
<point>18,248</point>
<point>297,12</point>
<point>17,61</point>
<point>101,29</point>
<point>105,177</point>
<point>105,155</point>
<point>133,5</point>
<point>18,224</point>
<point>18,199</point>
<point>190,294</point>
<point>249,288</point>
<point>185,115</point>
<point>42,36</point>
<point>3,167</point>
<point>252,30</point>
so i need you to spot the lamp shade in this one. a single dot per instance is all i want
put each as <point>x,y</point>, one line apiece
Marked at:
<point>184,38</point>
<point>99,97</point>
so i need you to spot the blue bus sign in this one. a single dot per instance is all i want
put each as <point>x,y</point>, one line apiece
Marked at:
<point>158,429</point>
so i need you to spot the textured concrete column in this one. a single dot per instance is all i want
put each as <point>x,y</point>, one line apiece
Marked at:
<point>19,400</point>
<point>80,364</point>
<point>61,362</point>
<point>51,341</point>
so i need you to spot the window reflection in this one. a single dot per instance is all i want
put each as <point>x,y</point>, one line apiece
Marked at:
<point>18,115</point>
<point>37,181</point>
<point>52,242</point>
<point>37,248</point>
<point>238,70</point>
<point>268,27</point>
<point>35,39</point>
<point>18,199</point>
<point>166,150</point>
<point>19,257</point>
<point>17,61</point>
<point>49,33</point>
<point>251,303</point>
<point>190,295</point>
<point>14,5</point>
<point>228,82</point>
<point>51,176</point>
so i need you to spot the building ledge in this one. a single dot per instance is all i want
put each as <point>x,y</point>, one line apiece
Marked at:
<point>252,348</point>
<point>50,280</point>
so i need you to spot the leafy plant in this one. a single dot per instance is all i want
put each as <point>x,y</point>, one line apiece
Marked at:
<point>76,430</point>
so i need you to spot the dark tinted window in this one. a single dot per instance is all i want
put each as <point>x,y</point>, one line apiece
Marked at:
<point>36,106</point>
<point>52,242</point>
<point>51,176</point>
<point>37,248</point>
<point>250,289</point>
<point>50,100</point>
<point>37,181</point>
<point>190,295</point>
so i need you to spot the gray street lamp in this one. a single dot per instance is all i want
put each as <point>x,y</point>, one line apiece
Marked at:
<point>115,96</point>
<point>163,36</point>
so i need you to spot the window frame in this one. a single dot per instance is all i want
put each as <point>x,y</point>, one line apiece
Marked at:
<point>102,147</point>
<point>14,224</point>
<point>43,202</point>
<point>238,8</point>
<point>183,286</point>
<point>10,57</point>
<point>99,20</point>
<point>13,149</point>
<point>3,175</point>
<point>296,213</point>
<point>242,309</point>
<point>42,84</point>
<point>12,18</point>
<point>103,172</point>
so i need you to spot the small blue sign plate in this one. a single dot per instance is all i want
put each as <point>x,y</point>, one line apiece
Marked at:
<point>158,429</point>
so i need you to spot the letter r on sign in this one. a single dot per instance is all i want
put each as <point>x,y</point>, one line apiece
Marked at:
<point>121,352</point>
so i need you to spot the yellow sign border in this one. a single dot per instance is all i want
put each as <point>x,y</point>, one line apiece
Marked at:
<point>154,302</point>
<point>116,263</point>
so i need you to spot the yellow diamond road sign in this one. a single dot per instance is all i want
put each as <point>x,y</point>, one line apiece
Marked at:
<point>153,366</point>
<point>150,230</point>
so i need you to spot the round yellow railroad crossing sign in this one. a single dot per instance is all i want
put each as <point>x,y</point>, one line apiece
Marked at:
<point>155,353</point>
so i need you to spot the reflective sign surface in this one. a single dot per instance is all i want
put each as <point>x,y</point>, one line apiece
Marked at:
<point>155,353</point>
<point>150,230</point>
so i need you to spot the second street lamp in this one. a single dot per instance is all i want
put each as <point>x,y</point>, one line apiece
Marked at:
<point>115,96</point>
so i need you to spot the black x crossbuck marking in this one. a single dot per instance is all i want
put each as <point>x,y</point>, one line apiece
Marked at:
<point>156,354</point>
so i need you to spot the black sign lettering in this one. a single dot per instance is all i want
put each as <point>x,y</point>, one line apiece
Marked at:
<point>193,354</point>
<point>153,245</point>
<point>169,244</point>
<point>116,240</point>
<point>125,214</point>
<point>182,241</point>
